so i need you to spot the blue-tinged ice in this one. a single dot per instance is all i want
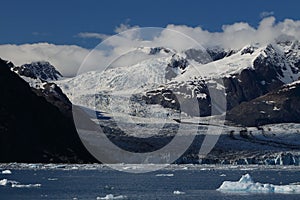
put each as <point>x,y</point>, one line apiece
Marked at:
<point>246,184</point>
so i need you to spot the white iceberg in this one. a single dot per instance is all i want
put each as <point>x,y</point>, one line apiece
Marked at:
<point>26,186</point>
<point>5,182</point>
<point>246,184</point>
<point>6,171</point>
<point>178,192</point>
<point>165,175</point>
<point>111,196</point>
<point>15,184</point>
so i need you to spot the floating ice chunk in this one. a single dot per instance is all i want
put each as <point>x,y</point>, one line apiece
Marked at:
<point>185,168</point>
<point>246,184</point>
<point>6,171</point>
<point>111,196</point>
<point>178,192</point>
<point>26,186</point>
<point>223,175</point>
<point>276,108</point>
<point>164,175</point>
<point>5,182</point>
<point>52,179</point>
<point>15,184</point>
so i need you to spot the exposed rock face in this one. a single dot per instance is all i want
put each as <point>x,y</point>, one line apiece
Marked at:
<point>176,65</point>
<point>193,93</point>
<point>54,95</point>
<point>270,71</point>
<point>279,106</point>
<point>32,129</point>
<point>42,70</point>
<point>207,55</point>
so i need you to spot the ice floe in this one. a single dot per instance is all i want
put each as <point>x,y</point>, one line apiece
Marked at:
<point>26,185</point>
<point>6,171</point>
<point>246,184</point>
<point>111,196</point>
<point>52,179</point>
<point>15,184</point>
<point>165,175</point>
<point>178,192</point>
<point>5,182</point>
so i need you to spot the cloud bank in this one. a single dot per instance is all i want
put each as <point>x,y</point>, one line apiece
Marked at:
<point>68,58</point>
<point>92,35</point>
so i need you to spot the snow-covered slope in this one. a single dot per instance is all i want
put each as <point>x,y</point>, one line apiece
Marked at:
<point>38,70</point>
<point>37,73</point>
<point>244,59</point>
<point>118,85</point>
<point>161,75</point>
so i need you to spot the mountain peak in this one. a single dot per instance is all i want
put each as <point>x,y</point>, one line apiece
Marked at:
<point>42,70</point>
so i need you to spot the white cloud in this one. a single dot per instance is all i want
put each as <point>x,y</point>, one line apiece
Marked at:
<point>121,28</point>
<point>266,14</point>
<point>92,35</point>
<point>124,27</point>
<point>68,58</point>
<point>240,34</point>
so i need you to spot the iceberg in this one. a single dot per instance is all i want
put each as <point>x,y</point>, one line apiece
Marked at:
<point>15,184</point>
<point>26,186</point>
<point>6,171</point>
<point>246,184</point>
<point>5,182</point>
<point>165,175</point>
<point>178,192</point>
<point>110,196</point>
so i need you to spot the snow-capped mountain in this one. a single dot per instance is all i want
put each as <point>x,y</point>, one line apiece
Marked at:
<point>163,77</point>
<point>260,81</point>
<point>41,76</point>
<point>42,70</point>
<point>157,79</point>
<point>117,85</point>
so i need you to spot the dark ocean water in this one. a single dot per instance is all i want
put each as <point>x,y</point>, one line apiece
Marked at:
<point>196,183</point>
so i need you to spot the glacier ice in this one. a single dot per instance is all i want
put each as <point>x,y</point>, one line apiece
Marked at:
<point>246,184</point>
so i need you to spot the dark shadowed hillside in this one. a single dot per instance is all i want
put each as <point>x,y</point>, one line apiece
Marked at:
<point>31,128</point>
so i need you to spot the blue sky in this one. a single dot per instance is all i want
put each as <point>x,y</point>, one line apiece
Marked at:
<point>59,22</point>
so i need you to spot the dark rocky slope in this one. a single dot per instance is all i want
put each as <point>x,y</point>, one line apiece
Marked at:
<point>279,106</point>
<point>31,128</point>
